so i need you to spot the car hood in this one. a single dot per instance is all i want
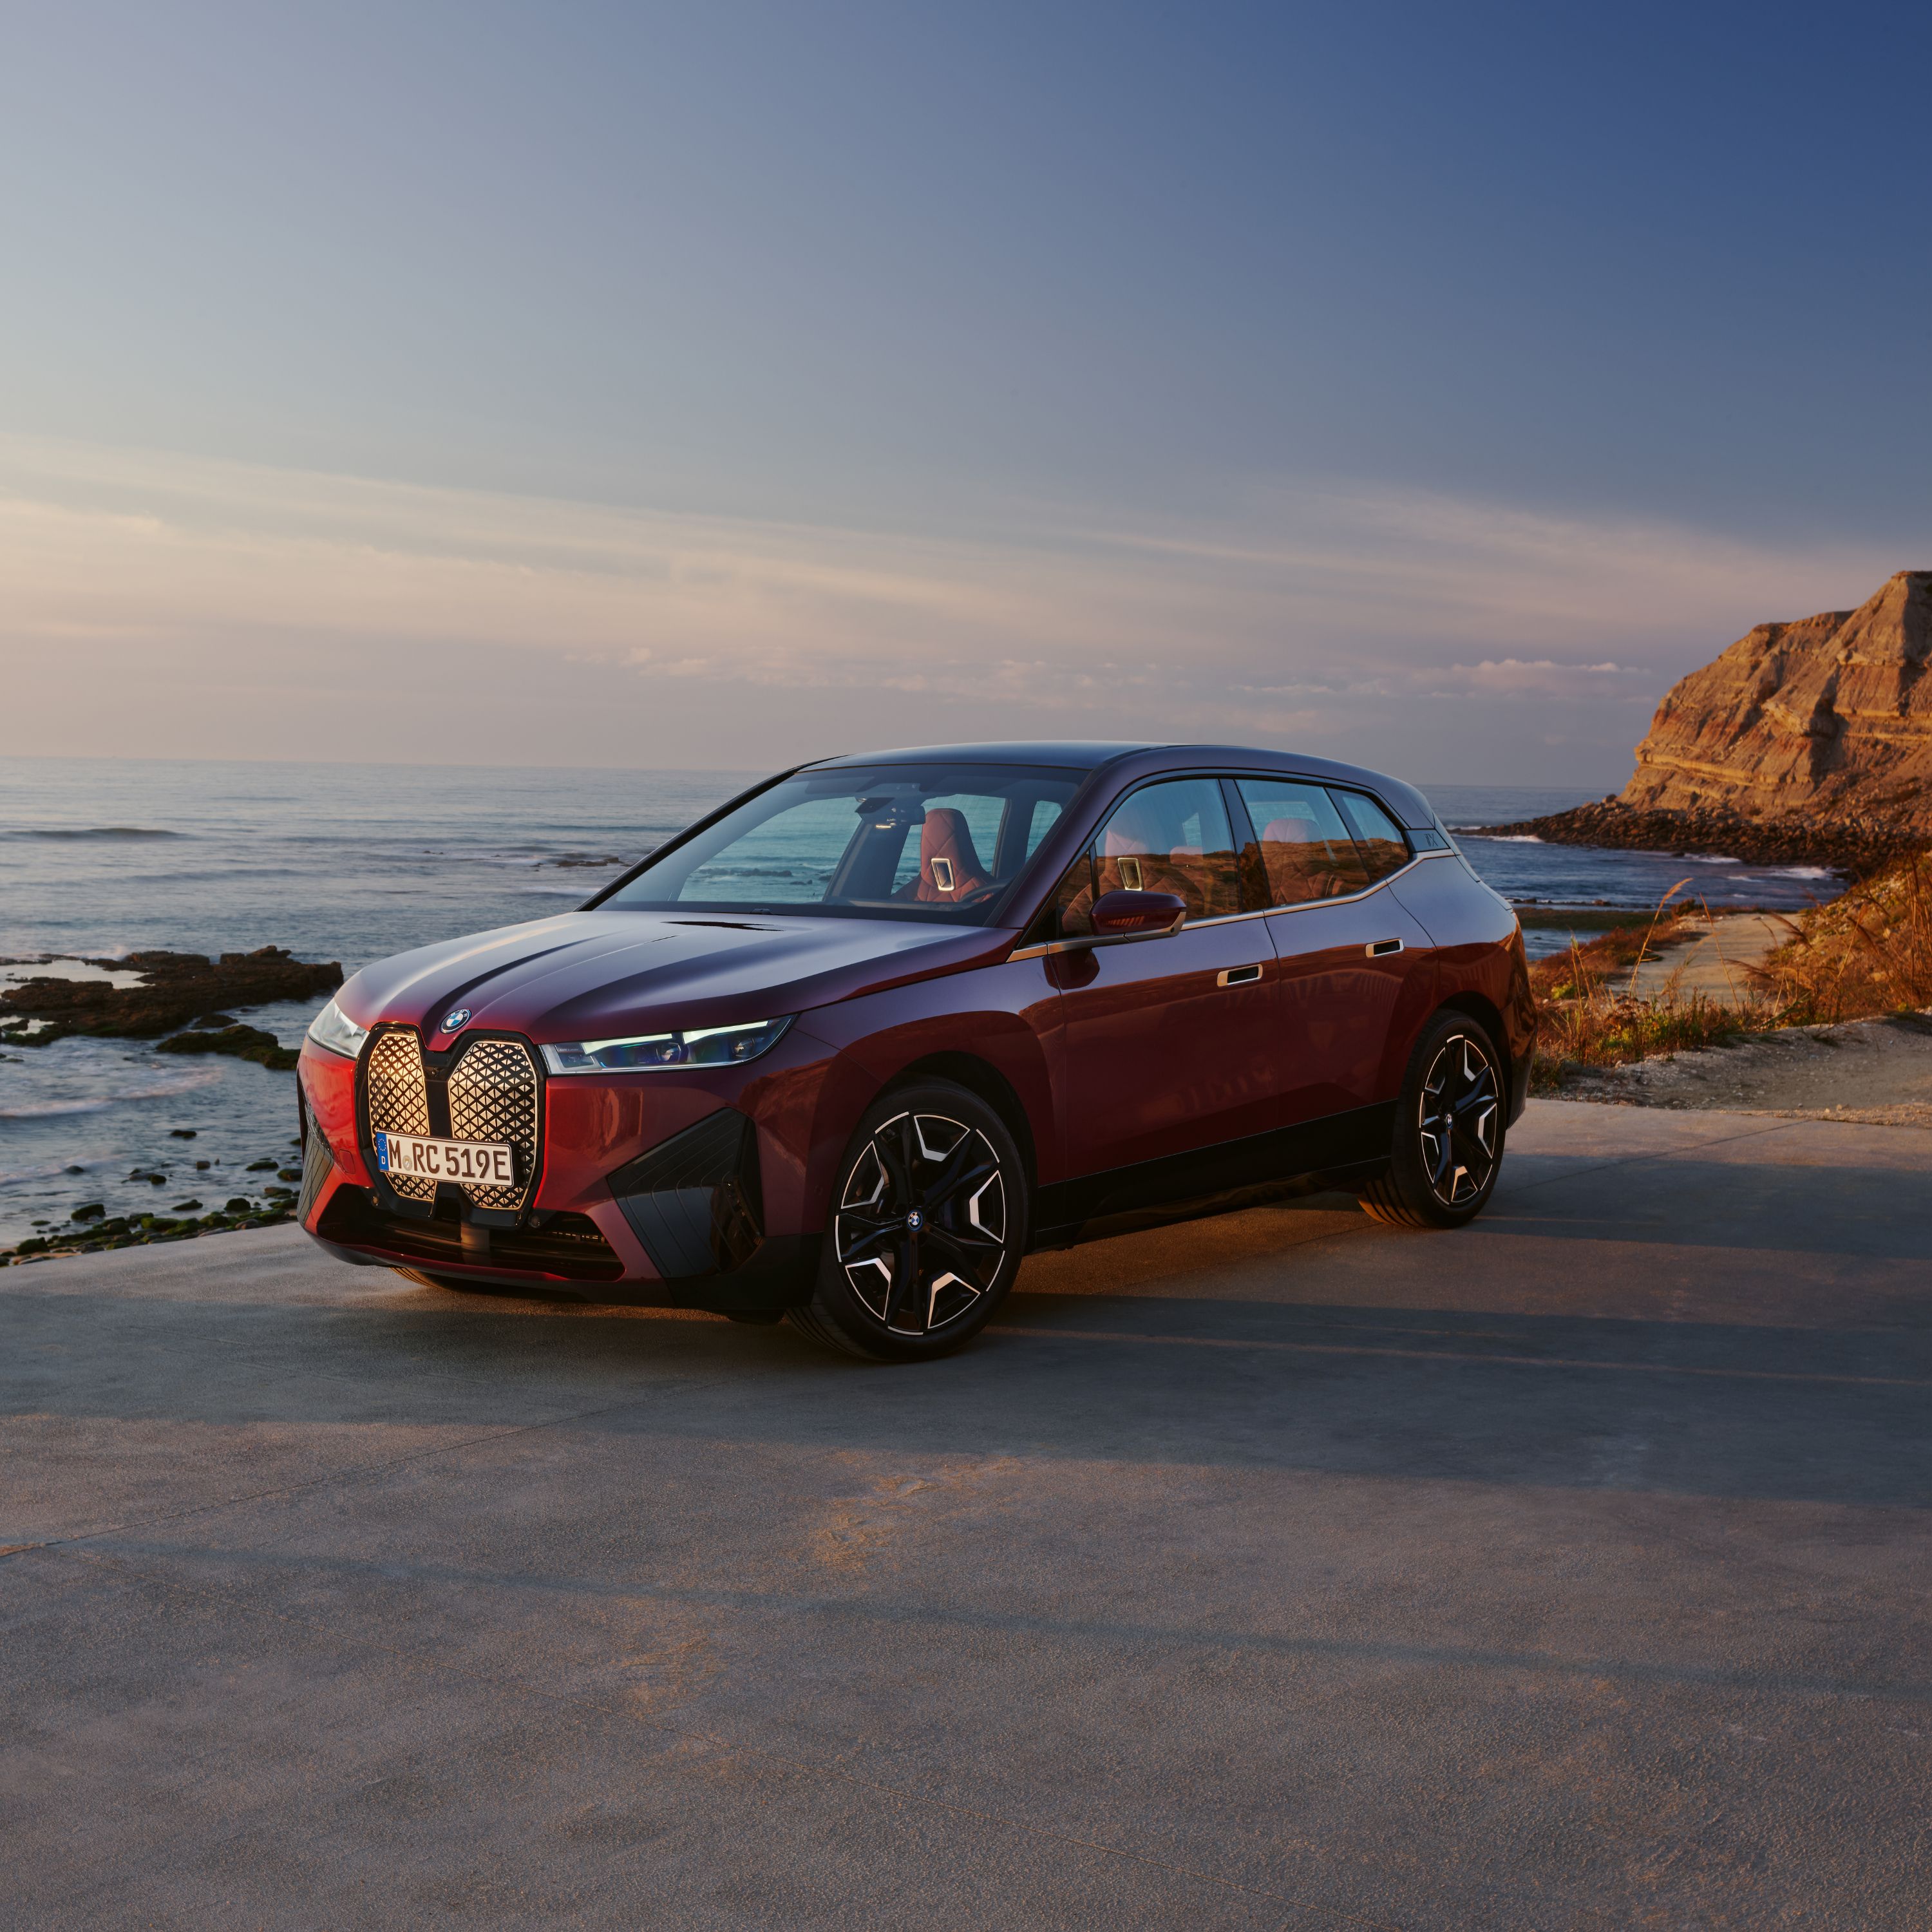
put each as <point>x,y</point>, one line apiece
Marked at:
<point>594,975</point>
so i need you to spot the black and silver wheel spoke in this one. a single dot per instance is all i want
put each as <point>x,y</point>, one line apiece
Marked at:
<point>920,1229</point>
<point>1458,1122</point>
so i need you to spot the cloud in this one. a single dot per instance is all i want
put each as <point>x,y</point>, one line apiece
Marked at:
<point>1303,609</point>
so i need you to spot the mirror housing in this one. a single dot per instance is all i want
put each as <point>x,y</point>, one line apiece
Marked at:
<point>1126,915</point>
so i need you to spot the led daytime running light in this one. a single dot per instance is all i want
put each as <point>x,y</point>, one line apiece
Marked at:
<point>658,1052</point>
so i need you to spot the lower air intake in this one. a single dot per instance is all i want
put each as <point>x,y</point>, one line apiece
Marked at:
<point>694,1201</point>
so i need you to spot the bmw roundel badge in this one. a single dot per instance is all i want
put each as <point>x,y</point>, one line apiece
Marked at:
<point>452,1020</point>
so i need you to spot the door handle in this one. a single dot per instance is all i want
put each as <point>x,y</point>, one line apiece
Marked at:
<point>1238,975</point>
<point>1381,948</point>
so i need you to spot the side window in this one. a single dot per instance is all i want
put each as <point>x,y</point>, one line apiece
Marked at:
<point>1172,837</point>
<point>1306,850</point>
<point>1377,838</point>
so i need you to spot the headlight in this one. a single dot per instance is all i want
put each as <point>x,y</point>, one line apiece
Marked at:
<point>646,1053</point>
<point>335,1032</point>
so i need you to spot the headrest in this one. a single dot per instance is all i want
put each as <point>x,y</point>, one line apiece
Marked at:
<point>1292,831</point>
<point>946,836</point>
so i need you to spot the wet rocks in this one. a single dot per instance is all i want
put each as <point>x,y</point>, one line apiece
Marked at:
<point>244,1042</point>
<point>174,989</point>
<point>1844,841</point>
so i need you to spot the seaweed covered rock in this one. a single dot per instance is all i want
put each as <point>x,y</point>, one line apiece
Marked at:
<point>174,989</point>
<point>244,1042</point>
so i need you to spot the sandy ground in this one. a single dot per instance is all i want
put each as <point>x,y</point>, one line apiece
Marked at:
<point>1565,1573</point>
<point>1711,956</point>
<point>1877,1071</point>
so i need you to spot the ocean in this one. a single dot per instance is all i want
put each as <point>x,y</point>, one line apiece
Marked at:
<point>100,858</point>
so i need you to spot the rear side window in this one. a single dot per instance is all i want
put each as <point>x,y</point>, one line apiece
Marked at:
<point>1377,838</point>
<point>1307,851</point>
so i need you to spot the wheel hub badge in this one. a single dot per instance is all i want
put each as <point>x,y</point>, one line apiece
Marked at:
<point>915,1220</point>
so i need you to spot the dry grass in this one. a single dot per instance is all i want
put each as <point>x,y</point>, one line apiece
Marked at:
<point>1866,953</point>
<point>1588,1014</point>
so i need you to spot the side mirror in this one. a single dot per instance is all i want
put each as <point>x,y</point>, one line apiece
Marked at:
<point>1125,915</point>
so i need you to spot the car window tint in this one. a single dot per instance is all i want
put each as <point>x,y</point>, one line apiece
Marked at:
<point>1172,837</point>
<point>1306,851</point>
<point>1377,838</point>
<point>791,859</point>
<point>1070,911</point>
<point>1045,811</point>
<point>982,817</point>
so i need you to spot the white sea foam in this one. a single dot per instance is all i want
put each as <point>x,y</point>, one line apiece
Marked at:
<point>1504,837</point>
<point>1712,859</point>
<point>165,1090</point>
<point>1803,872</point>
<point>48,1172</point>
<point>117,831</point>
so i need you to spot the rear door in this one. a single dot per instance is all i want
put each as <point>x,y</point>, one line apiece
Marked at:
<point>1355,970</point>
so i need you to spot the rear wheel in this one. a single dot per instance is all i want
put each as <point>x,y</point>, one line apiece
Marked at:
<point>1448,1144</point>
<point>927,1224</point>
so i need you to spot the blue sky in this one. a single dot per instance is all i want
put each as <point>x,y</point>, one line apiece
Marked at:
<point>720,385</point>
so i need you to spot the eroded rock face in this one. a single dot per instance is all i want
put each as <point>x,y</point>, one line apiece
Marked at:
<point>1830,715</point>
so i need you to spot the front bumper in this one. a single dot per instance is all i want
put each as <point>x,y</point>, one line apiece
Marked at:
<point>677,1189</point>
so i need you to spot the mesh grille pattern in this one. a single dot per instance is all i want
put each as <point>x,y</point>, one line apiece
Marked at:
<point>317,1164</point>
<point>399,1101</point>
<point>492,1097</point>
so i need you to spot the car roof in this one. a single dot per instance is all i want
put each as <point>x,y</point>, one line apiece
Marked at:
<point>1084,754</point>
<point>1146,760</point>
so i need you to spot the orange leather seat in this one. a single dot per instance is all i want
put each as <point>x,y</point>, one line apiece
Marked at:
<point>948,868</point>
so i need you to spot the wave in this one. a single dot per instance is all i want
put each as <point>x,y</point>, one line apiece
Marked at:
<point>98,832</point>
<point>166,1090</point>
<point>1712,859</point>
<point>50,1171</point>
<point>1804,871</point>
<point>1502,838</point>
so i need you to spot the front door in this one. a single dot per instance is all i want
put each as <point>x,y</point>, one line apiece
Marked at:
<point>1165,1040</point>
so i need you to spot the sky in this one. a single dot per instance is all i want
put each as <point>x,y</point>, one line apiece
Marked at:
<point>725,386</point>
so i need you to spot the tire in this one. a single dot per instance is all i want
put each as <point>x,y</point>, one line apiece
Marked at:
<point>924,1232</point>
<point>1448,1147</point>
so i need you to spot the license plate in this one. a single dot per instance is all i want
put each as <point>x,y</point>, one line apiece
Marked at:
<point>492,1163</point>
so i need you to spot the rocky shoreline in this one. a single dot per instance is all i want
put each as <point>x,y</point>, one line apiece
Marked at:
<point>1855,845</point>
<point>176,990</point>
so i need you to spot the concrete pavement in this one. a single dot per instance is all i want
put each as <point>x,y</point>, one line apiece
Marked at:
<point>1279,1570</point>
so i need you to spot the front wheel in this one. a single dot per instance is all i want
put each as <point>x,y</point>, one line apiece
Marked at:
<point>1448,1144</point>
<point>926,1226</point>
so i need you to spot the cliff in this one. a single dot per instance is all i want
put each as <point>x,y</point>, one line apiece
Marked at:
<point>1830,717</point>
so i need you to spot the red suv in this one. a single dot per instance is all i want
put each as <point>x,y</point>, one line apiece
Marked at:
<point>850,1047</point>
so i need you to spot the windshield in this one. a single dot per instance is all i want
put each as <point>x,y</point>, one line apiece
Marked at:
<point>939,842</point>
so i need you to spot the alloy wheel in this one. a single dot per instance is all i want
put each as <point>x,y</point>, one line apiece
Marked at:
<point>1460,1115</point>
<point>921,1227</point>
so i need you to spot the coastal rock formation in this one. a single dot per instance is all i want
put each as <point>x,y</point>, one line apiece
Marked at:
<point>1828,716</point>
<point>174,989</point>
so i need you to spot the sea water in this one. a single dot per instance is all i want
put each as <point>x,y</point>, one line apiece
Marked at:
<point>100,858</point>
